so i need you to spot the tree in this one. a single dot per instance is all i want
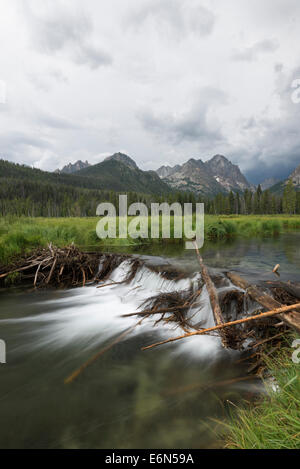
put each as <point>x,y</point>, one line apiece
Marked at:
<point>289,198</point>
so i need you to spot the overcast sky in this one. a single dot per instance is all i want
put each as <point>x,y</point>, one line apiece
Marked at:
<point>161,80</point>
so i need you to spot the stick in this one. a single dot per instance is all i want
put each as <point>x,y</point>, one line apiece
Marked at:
<point>83,276</point>
<point>19,270</point>
<point>213,297</point>
<point>283,309</point>
<point>292,319</point>
<point>51,271</point>
<point>76,373</point>
<point>36,274</point>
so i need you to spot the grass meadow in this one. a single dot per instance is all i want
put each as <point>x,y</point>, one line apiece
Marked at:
<point>19,236</point>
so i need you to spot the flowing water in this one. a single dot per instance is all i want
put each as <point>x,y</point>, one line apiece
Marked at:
<point>169,397</point>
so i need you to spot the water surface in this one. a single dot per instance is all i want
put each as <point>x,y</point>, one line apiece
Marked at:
<point>169,397</point>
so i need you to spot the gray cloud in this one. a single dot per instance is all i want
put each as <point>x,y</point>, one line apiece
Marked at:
<point>15,144</point>
<point>193,125</point>
<point>178,17</point>
<point>55,122</point>
<point>67,30</point>
<point>275,140</point>
<point>252,53</point>
<point>92,56</point>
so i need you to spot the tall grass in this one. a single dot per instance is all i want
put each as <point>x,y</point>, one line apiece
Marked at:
<point>274,421</point>
<point>21,235</point>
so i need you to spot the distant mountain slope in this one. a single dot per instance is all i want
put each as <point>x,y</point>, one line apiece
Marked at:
<point>295,177</point>
<point>111,174</point>
<point>209,178</point>
<point>121,174</point>
<point>227,174</point>
<point>270,182</point>
<point>194,176</point>
<point>166,171</point>
<point>73,168</point>
<point>122,158</point>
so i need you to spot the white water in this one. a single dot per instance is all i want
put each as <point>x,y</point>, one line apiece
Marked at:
<point>88,317</point>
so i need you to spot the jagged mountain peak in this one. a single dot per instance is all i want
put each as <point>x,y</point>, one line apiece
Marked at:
<point>295,176</point>
<point>227,174</point>
<point>215,175</point>
<point>73,167</point>
<point>219,159</point>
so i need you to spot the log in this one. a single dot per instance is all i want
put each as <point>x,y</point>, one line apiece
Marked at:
<point>268,314</point>
<point>257,294</point>
<point>213,297</point>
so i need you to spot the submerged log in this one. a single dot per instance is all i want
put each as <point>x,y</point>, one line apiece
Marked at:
<point>257,294</point>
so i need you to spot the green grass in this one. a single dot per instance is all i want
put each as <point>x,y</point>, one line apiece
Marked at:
<point>21,235</point>
<point>274,421</point>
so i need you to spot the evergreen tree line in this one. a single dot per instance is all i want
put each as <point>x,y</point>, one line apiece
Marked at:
<point>39,199</point>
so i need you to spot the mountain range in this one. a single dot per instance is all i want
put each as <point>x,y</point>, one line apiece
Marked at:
<point>120,173</point>
<point>218,175</point>
<point>212,177</point>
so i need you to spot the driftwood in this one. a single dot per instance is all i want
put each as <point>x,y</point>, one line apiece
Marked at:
<point>291,288</point>
<point>66,267</point>
<point>279,311</point>
<point>257,294</point>
<point>213,297</point>
<point>171,307</point>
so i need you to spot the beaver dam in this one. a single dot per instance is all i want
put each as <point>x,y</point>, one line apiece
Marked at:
<point>75,324</point>
<point>223,304</point>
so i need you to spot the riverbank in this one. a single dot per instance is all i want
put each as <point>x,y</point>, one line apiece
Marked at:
<point>22,235</point>
<point>273,421</point>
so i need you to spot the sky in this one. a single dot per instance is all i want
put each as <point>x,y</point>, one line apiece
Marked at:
<point>160,80</point>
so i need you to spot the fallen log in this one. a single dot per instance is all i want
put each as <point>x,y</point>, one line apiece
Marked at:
<point>257,294</point>
<point>213,297</point>
<point>268,314</point>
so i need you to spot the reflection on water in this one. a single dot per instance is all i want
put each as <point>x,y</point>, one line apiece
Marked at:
<point>165,398</point>
<point>256,256</point>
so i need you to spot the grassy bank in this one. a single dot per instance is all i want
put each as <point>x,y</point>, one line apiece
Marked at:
<point>274,421</point>
<point>18,235</point>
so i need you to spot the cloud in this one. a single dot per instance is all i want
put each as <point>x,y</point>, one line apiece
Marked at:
<point>58,29</point>
<point>92,56</point>
<point>55,122</point>
<point>249,54</point>
<point>14,145</point>
<point>176,17</point>
<point>195,124</point>
<point>272,143</point>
